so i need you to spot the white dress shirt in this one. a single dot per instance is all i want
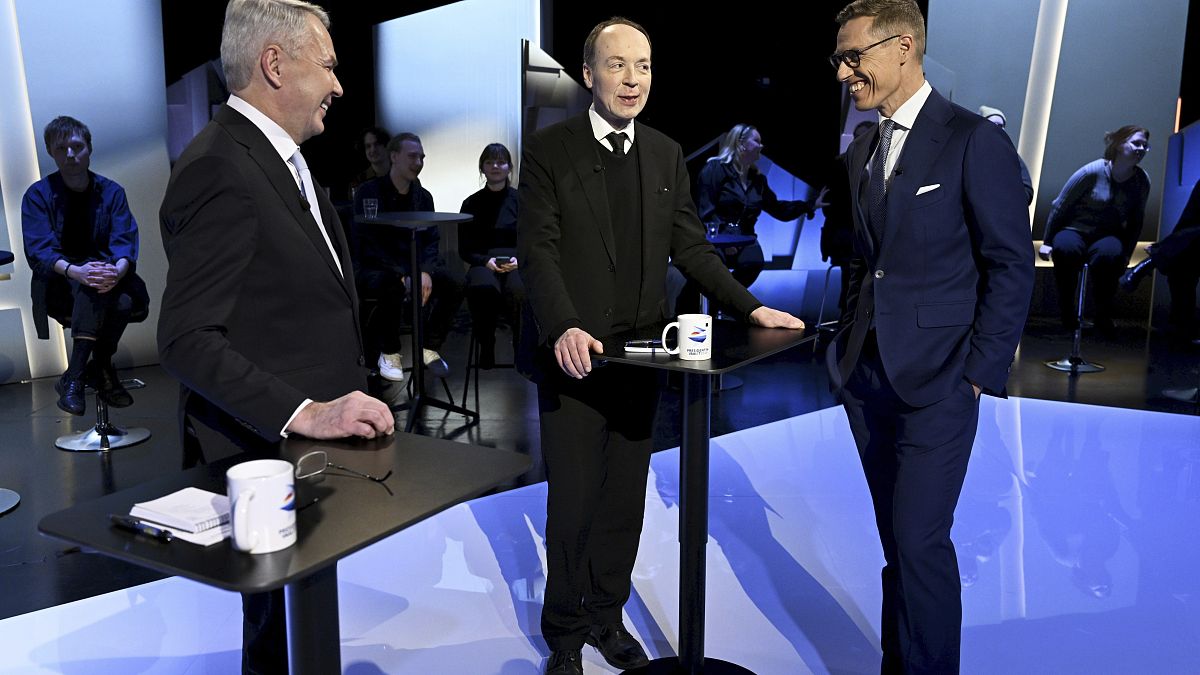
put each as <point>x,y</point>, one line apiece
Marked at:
<point>601,128</point>
<point>904,118</point>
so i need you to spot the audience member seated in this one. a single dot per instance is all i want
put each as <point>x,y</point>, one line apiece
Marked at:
<point>81,242</point>
<point>1177,257</point>
<point>381,264</point>
<point>488,243</point>
<point>996,116</point>
<point>731,193</point>
<point>372,142</point>
<point>1096,219</point>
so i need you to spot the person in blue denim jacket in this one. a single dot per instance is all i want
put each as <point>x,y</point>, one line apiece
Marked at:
<point>81,242</point>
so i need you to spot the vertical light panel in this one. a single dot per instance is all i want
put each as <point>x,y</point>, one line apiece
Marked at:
<point>18,169</point>
<point>1039,94</point>
<point>452,75</point>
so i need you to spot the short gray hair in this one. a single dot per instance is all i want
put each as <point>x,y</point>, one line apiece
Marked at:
<point>250,25</point>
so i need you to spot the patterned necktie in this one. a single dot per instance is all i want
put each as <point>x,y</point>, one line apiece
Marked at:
<point>306,189</point>
<point>617,140</point>
<point>877,189</point>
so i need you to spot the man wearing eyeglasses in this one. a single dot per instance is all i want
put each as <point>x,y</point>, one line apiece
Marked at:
<point>940,283</point>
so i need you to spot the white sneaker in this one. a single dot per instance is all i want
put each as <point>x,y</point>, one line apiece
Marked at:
<point>390,367</point>
<point>434,362</point>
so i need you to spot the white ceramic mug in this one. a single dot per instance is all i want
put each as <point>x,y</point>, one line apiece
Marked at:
<point>695,337</point>
<point>262,496</point>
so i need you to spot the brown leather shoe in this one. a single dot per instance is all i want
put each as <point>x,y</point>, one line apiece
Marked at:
<point>617,646</point>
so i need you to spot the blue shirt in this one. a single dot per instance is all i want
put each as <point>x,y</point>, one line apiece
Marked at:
<point>43,216</point>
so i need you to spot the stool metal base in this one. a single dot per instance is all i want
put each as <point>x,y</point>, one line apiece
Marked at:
<point>1075,364</point>
<point>8,500</point>
<point>671,666</point>
<point>102,438</point>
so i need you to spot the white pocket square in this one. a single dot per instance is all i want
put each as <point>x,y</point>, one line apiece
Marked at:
<point>927,188</point>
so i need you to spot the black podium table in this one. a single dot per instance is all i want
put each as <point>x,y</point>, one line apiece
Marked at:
<point>350,513</point>
<point>735,345</point>
<point>414,221</point>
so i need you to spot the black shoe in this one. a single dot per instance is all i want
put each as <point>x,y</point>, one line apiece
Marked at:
<point>565,662</point>
<point>70,395</point>
<point>107,383</point>
<point>1134,275</point>
<point>617,646</point>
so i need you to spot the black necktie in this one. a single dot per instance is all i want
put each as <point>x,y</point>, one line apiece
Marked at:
<point>877,189</point>
<point>617,140</point>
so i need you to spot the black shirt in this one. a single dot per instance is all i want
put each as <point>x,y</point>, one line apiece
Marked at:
<point>493,230</point>
<point>623,183</point>
<point>77,244</point>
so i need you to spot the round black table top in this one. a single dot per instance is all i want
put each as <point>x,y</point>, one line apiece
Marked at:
<point>415,219</point>
<point>6,257</point>
<point>730,239</point>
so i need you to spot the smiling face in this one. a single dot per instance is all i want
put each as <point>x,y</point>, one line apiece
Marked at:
<point>309,85</point>
<point>620,75</point>
<point>375,151</point>
<point>408,161</point>
<point>887,74</point>
<point>1134,148</point>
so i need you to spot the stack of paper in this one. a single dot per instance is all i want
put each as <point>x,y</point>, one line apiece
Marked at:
<point>191,514</point>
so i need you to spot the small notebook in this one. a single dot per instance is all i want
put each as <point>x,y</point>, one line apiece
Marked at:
<point>206,538</point>
<point>188,510</point>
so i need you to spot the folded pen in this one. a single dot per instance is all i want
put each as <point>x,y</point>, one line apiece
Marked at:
<point>140,527</point>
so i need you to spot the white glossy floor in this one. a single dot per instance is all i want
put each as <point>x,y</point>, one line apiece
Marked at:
<point>1077,537</point>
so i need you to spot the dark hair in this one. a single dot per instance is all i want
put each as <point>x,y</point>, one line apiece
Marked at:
<point>891,17</point>
<point>494,151</point>
<point>397,140</point>
<point>65,127</point>
<point>381,137</point>
<point>1113,140</point>
<point>589,45</point>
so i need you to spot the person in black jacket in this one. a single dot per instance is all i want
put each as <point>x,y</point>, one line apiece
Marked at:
<point>731,193</point>
<point>1177,257</point>
<point>488,243</point>
<point>381,261</point>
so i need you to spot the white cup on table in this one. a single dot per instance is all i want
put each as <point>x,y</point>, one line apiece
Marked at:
<point>262,498</point>
<point>695,337</point>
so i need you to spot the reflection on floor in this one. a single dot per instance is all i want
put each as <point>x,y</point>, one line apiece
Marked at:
<point>1076,536</point>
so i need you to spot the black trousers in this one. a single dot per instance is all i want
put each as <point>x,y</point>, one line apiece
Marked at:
<point>389,303</point>
<point>915,461</point>
<point>488,294</point>
<point>1106,262</point>
<point>102,317</point>
<point>596,441</point>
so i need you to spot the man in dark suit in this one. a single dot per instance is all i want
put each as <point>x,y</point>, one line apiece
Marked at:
<point>259,316</point>
<point>940,285</point>
<point>604,202</point>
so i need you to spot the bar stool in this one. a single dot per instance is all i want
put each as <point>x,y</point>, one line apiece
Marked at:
<point>1074,362</point>
<point>473,351</point>
<point>105,435</point>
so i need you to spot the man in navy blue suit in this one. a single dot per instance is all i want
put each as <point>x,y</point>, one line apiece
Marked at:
<point>940,284</point>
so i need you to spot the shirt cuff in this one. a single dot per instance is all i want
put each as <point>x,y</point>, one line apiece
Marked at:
<point>284,432</point>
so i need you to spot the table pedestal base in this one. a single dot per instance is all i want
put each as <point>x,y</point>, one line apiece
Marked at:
<point>671,666</point>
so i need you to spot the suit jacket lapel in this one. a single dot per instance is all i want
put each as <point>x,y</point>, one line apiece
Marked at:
<point>924,144</point>
<point>263,154</point>
<point>582,148</point>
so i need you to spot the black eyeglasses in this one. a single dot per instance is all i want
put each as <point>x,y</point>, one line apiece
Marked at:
<point>317,462</point>
<point>853,57</point>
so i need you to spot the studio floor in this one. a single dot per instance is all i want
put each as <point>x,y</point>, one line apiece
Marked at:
<point>1075,532</point>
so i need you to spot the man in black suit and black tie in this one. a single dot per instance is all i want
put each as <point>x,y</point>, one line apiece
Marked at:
<point>259,317</point>
<point>604,203</point>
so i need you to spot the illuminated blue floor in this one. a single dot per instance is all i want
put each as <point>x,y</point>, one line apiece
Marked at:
<point>1077,538</point>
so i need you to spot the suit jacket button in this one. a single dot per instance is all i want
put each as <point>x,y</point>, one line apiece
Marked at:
<point>612,268</point>
<point>879,274</point>
<point>362,360</point>
<point>608,313</point>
